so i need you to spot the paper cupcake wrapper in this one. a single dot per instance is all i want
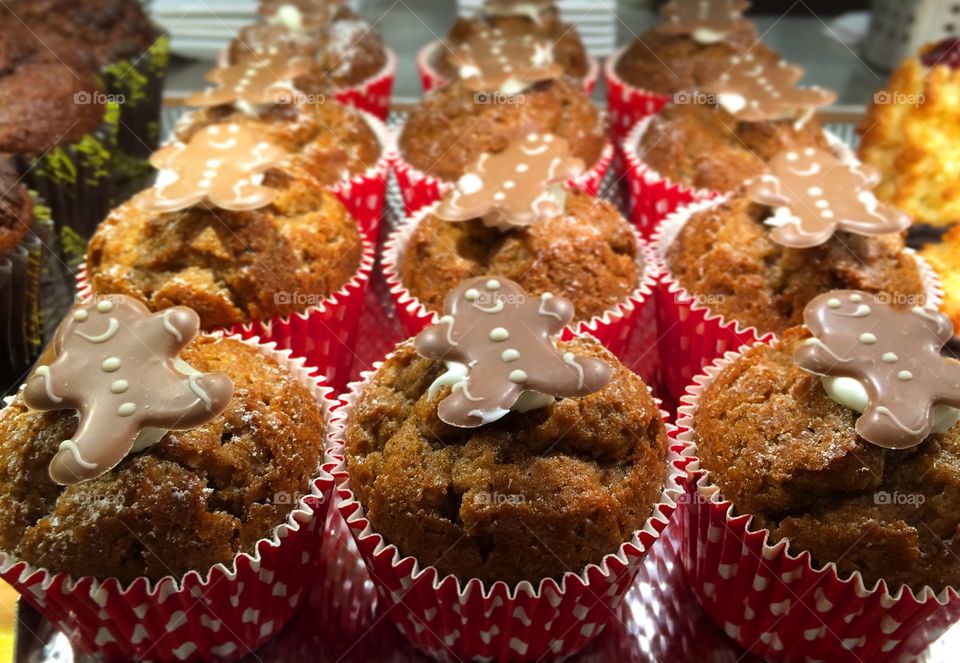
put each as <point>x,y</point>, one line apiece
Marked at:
<point>223,613</point>
<point>323,334</point>
<point>625,103</point>
<point>419,189</point>
<point>365,194</point>
<point>693,334</point>
<point>433,79</point>
<point>779,605</point>
<point>445,617</point>
<point>374,94</point>
<point>617,329</point>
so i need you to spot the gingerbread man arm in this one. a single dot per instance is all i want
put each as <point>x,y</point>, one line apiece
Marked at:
<point>585,376</point>
<point>557,311</point>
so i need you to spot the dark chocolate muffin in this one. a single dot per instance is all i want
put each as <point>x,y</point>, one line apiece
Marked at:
<point>725,253</point>
<point>47,97</point>
<point>780,449</point>
<point>453,126</point>
<point>16,209</point>
<point>568,49</point>
<point>330,141</point>
<point>531,496</point>
<point>588,255</point>
<point>229,266</point>
<point>193,500</point>
<point>104,31</point>
<point>668,63</point>
<point>705,147</point>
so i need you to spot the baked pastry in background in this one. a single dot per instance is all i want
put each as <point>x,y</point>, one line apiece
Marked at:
<point>944,257</point>
<point>911,134</point>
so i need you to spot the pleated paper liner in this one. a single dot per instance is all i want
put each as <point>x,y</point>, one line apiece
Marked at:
<point>616,329</point>
<point>776,602</point>
<point>447,618</point>
<point>323,333</point>
<point>372,95</point>
<point>220,613</point>
<point>78,183</point>
<point>419,189</point>
<point>653,197</point>
<point>692,333</point>
<point>433,79</point>
<point>625,103</point>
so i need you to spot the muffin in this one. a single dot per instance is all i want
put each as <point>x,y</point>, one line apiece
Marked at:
<point>227,444</point>
<point>943,257</point>
<point>451,128</point>
<point>910,133</point>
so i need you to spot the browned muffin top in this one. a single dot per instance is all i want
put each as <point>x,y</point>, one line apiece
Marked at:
<point>453,126</point>
<point>779,448</point>
<point>47,98</point>
<point>104,30</point>
<point>725,254</point>
<point>16,208</point>
<point>704,147</point>
<point>194,500</point>
<point>665,63</point>
<point>531,496</point>
<point>588,255</point>
<point>231,267</point>
<point>568,49</point>
<point>329,140</point>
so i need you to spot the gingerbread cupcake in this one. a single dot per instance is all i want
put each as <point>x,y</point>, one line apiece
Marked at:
<point>235,230</point>
<point>508,21</point>
<point>710,142</point>
<point>744,266</point>
<point>143,464</point>
<point>515,467</point>
<point>830,456</point>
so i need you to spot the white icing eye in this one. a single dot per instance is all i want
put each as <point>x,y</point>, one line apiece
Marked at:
<point>856,298</point>
<point>890,357</point>
<point>867,338</point>
<point>472,295</point>
<point>792,156</point>
<point>81,315</point>
<point>510,355</point>
<point>127,409</point>
<point>518,377</point>
<point>499,334</point>
<point>532,137</point>
<point>809,151</point>
<point>119,386</point>
<point>111,364</point>
<point>493,284</point>
<point>906,376</point>
<point>834,303</point>
<point>104,306</point>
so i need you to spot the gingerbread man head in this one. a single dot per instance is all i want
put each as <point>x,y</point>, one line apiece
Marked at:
<point>499,346</point>
<point>222,164</point>
<point>301,14</point>
<point>706,21</point>
<point>264,77</point>
<point>885,363</point>
<point>535,10</point>
<point>516,187</point>
<point>509,64</point>
<point>815,195</point>
<point>118,365</point>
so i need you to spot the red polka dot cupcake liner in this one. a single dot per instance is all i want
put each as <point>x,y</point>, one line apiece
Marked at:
<point>692,334</point>
<point>222,613</point>
<point>324,333</point>
<point>625,103</point>
<point>372,95</point>
<point>653,197</point>
<point>447,617</point>
<point>365,194</point>
<point>779,605</point>
<point>419,189</point>
<point>432,79</point>
<point>628,330</point>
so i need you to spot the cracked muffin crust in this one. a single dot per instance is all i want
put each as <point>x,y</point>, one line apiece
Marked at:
<point>194,500</point>
<point>531,496</point>
<point>780,449</point>
<point>231,267</point>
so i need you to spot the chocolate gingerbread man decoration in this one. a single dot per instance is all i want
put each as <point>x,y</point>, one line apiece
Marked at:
<point>301,14</point>
<point>815,195</point>
<point>222,164</point>
<point>498,344</point>
<point>755,91</point>
<point>118,365</point>
<point>492,62</point>
<point>885,363</point>
<point>707,21</point>
<point>516,187</point>
<point>535,10</point>
<point>265,77</point>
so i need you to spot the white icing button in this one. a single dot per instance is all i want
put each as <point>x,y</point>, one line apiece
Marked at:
<point>826,214</point>
<point>472,294</point>
<point>822,203</point>
<point>867,338</point>
<point>906,376</point>
<point>499,196</point>
<point>493,284</point>
<point>127,409</point>
<point>522,167</point>
<point>815,191</point>
<point>510,355</point>
<point>834,303</point>
<point>80,315</point>
<point>509,184</point>
<point>890,357</point>
<point>104,306</point>
<point>111,364</point>
<point>119,386</point>
<point>518,376</point>
<point>499,335</point>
